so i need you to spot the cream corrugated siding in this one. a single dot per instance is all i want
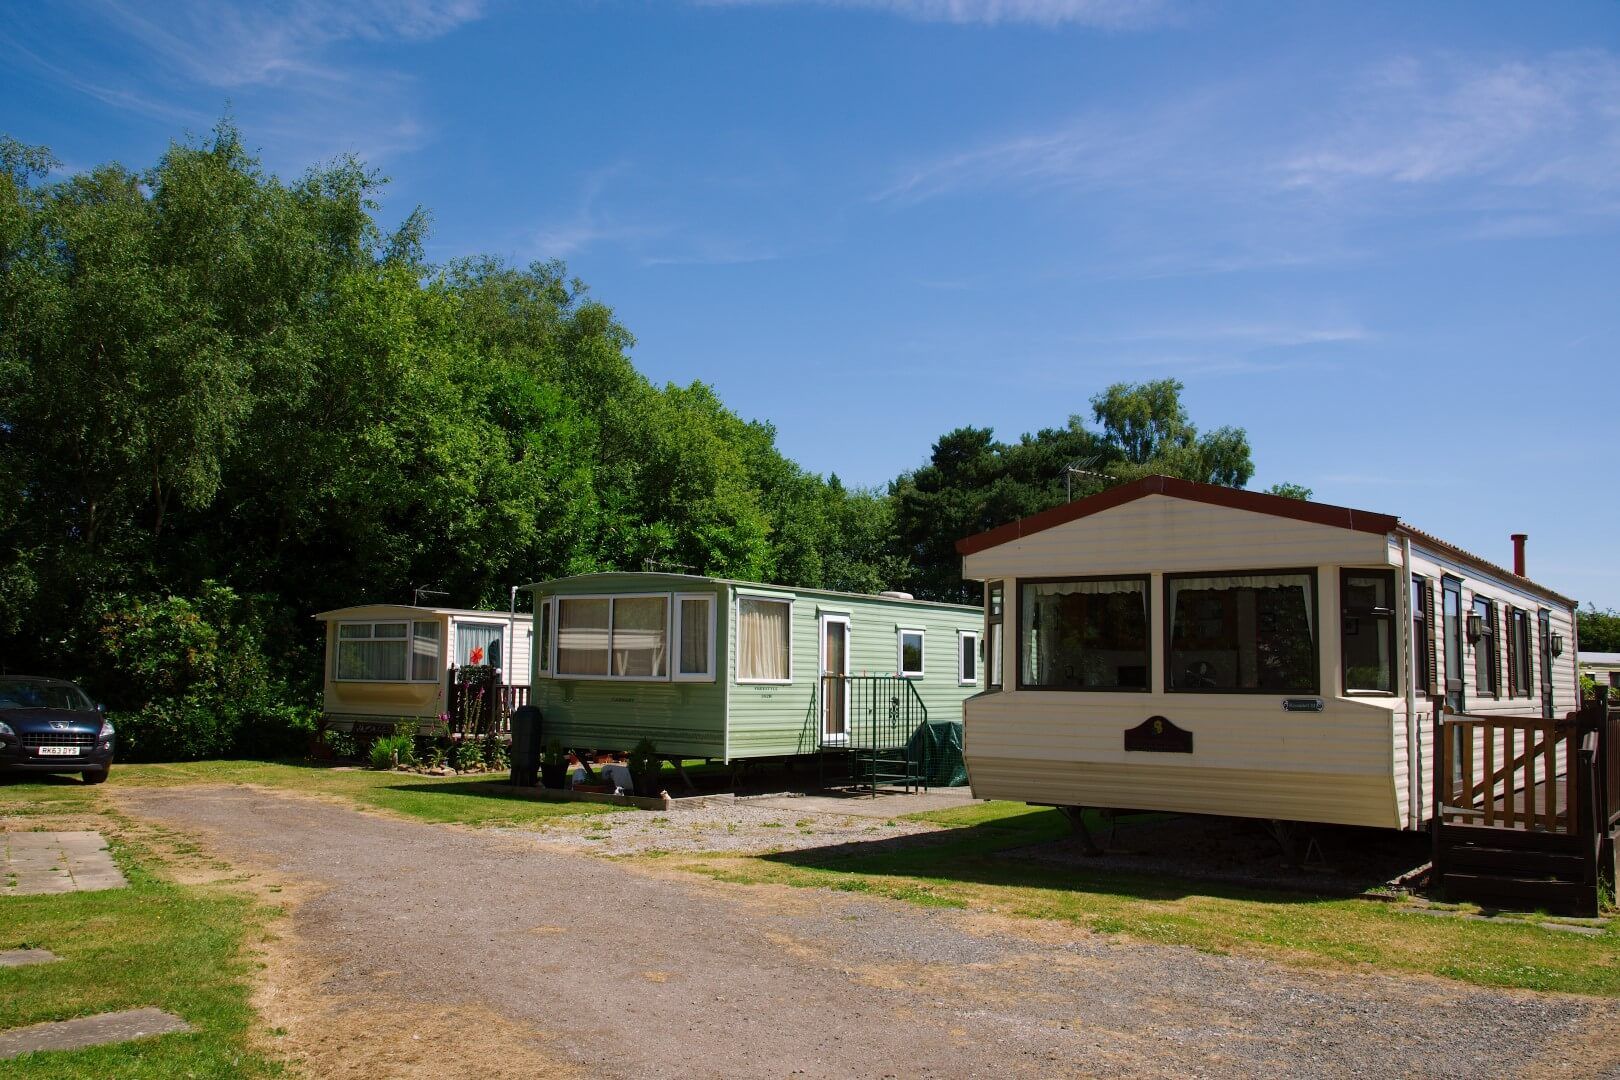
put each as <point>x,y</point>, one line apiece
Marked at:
<point>1250,758</point>
<point>1434,566</point>
<point>1171,535</point>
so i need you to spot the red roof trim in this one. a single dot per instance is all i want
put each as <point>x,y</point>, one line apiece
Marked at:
<point>1338,517</point>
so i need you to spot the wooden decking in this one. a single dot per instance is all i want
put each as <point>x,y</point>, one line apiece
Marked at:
<point>1526,808</point>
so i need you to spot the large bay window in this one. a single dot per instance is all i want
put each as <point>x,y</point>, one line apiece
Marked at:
<point>1083,634</point>
<point>613,637</point>
<point>387,652</point>
<point>1242,632</point>
<point>764,640</point>
<point>1367,629</point>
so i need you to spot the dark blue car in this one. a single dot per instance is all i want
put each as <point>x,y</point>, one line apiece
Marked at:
<point>48,725</point>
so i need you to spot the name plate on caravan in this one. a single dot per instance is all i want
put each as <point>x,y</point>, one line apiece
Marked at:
<point>1156,735</point>
<point>1302,704</point>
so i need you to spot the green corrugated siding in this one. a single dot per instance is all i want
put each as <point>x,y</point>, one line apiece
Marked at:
<point>770,720</point>
<point>686,718</point>
<point>765,720</point>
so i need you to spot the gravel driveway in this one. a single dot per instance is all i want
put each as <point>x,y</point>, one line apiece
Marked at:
<point>625,971</point>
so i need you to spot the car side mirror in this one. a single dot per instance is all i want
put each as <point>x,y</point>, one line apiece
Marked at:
<point>101,707</point>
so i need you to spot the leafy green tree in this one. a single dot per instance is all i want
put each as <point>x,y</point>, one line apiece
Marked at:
<point>1291,491</point>
<point>1599,630</point>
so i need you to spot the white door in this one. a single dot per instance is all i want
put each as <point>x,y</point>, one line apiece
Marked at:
<point>834,691</point>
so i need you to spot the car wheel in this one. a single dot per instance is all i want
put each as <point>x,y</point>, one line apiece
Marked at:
<point>97,776</point>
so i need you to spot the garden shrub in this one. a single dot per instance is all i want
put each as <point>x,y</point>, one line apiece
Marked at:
<point>188,677</point>
<point>391,750</point>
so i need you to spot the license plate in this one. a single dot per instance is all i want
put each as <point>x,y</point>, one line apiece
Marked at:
<point>59,751</point>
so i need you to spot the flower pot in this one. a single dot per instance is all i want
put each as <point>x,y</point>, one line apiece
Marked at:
<point>554,776</point>
<point>648,784</point>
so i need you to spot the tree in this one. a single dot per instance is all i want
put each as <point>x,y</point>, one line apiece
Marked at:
<point>1291,491</point>
<point>1599,630</point>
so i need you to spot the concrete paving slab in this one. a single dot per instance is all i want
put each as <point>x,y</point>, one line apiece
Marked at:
<point>26,957</point>
<point>43,863</point>
<point>89,1031</point>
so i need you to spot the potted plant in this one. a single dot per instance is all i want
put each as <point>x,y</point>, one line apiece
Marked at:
<point>646,769</point>
<point>553,766</point>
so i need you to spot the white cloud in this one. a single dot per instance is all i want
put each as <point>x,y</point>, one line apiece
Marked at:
<point>1552,121</point>
<point>1247,175</point>
<point>1102,14</point>
<point>270,44</point>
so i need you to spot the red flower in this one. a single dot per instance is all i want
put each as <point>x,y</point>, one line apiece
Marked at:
<point>476,657</point>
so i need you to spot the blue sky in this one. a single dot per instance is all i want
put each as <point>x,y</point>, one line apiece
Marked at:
<point>1382,238</point>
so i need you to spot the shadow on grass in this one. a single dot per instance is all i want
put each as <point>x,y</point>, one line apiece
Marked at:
<point>1151,857</point>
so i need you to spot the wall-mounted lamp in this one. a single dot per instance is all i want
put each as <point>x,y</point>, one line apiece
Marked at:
<point>1556,644</point>
<point>1476,627</point>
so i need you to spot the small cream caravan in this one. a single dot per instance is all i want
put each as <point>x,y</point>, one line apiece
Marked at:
<point>1182,647</point>
<point>392,662</point>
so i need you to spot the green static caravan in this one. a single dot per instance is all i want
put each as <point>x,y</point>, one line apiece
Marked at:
<point>719,669</point>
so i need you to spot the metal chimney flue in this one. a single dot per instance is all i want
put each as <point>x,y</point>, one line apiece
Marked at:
<point>1518,552</point>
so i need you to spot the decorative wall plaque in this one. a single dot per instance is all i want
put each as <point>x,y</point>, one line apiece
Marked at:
<point>1156,735</point>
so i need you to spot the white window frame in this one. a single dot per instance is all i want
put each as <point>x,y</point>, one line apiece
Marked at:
<point>900,633</point>
<point>736,652</point>
<point>409,641</point>
<point>611,598</point>
<point>675,672</point>
<point>978,661</point>
<point>542,656</point>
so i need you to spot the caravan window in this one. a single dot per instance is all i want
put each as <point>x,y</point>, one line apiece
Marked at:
<point>993,592</point>
<point>764,640</point>
<point>1367,629</point>
<point>967,657</point>
<point>1485,662</point>
<point>1083,634</point>
<point>694,637</point>
<point>542,660</point>
<point>1519,637</point>
<point>613,637</point>
<point>910,656</point>
<point>387,652</point>
<point>1243,632</point>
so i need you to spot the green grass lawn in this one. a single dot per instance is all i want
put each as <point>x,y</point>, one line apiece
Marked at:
<point>964,872</point>
<point>178,948</point>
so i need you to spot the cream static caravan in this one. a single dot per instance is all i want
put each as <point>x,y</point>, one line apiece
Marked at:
<point>1181,647</point>
<point>391,662</point>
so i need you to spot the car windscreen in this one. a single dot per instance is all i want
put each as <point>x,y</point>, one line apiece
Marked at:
<point>27,694</point>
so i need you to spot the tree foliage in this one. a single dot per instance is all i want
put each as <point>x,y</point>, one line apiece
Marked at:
<point>228,401</point>
<point>1599,630</point>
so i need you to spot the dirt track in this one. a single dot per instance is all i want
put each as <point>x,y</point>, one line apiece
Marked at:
<point>561,962</point>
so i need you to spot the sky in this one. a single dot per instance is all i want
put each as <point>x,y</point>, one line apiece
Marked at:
<point>1382,238</point>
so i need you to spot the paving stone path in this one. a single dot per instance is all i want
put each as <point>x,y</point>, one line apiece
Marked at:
<point>56,862</point>
<point>89,1031</point>
<point>25,957</point>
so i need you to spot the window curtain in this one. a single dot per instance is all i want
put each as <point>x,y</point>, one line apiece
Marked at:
<point>582,637</point>
<point>762,639</point>
<point>480,640</point>
<point>425,651</point>
<point>372,652</point>
<point>640,627</point>
<point>1249,581</point>
<point>694,637</point>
